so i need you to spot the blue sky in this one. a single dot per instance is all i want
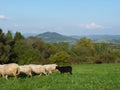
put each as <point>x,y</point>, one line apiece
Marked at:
<point>68,17</point>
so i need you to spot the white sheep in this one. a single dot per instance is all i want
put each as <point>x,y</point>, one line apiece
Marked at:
<point>26,69</point>
<point>38,69</point>
<point>10,69</point>
<point>1,70</point>
<point>50,67</point>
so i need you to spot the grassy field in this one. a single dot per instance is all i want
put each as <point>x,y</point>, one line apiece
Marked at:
<point>85,77</point>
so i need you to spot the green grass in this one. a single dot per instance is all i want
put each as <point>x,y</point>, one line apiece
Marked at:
<point>85,77</point>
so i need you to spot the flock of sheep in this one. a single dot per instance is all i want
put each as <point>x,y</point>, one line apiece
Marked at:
<point>15,69</point>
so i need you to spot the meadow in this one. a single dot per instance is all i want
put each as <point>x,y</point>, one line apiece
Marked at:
<point>85,77</point>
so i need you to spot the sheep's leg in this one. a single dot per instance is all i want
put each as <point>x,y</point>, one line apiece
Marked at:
<point>30,74</point>
<point>50,72</point>
<point>14,74</point>
<point>45,73</point>
<point>6,77</point>
<point>40,74</point>
<point>3,75</point>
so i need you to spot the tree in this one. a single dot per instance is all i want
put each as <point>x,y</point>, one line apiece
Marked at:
<point>101,48</point>
<point>61,57</point>
<point>83,51</point>
<point>26,53</point>
<point>9,37</point>
<point>18,36</point>
<point>4,48</point>
<point>2,37</point>
<point>10,41</point>
<point>85,42</point>
<point>102,53</point>
<point>62,46</point>
<point>84,47</point>
<point>42,47</point>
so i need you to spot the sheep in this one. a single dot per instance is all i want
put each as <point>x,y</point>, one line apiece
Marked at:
<point>14,69</point>
<point>38,69</point>
<point>64,69</point>
<point>9,69</point>
<point>26,69</point>
<point>1,69</point>
<point>49,68</point>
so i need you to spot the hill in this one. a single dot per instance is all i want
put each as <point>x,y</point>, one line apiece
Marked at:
<point>53,37</point>
<point>115,39</point>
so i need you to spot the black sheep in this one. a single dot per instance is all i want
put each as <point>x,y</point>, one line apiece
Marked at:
<point>64,69</point>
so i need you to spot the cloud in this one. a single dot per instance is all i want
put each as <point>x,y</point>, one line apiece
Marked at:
<point>17,25</point>
<point>92,25</point>
<point>2,17</point>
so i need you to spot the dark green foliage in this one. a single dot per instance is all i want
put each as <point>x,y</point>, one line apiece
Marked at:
<point>101,48</point>
<point>11,43</point>
<point>84,42</point>
<point>9,37</point>
<point>62,46</point>
<point>26,53</point>
<point>18,36</point>
<point>34,50</point>
<point>57,47</point>
<point>2,37</point>
<point>61,57</point>
<point>83,50</point>
<point>5,48</point>
<point>42,47</point>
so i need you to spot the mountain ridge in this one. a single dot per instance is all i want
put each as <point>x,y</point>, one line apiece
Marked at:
<point>53,37</point>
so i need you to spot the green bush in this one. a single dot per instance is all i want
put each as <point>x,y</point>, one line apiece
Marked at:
<point>61,57</point>
<point>26,53</point>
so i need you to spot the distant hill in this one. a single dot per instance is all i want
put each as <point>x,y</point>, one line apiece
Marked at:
<point>53,37</point>
<point>115,39</point>
<point>107,38</point>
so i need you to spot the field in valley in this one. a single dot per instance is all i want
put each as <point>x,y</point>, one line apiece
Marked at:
<point>85,77</point>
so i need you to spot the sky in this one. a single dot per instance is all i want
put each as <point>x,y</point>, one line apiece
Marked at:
<point>67,17</point>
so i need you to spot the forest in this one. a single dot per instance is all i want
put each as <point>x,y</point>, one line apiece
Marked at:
<point>18,49</point>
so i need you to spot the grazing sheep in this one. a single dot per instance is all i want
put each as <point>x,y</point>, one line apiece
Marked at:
<point>38,69</point>
<point>26,69</point>
<point>49,68</point>
<point>1,69</point>
<point>10,69</point>
<point>64,69</point>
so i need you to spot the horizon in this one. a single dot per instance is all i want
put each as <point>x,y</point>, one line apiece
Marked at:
<point>35,34</point>
<point>66,17</point>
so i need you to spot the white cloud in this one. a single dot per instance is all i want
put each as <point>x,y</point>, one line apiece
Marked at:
<point>92,25</point>
<point>17,25</point>
<point>2,17</point>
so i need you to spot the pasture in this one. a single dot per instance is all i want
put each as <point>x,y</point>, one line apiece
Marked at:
<point>85,77</point>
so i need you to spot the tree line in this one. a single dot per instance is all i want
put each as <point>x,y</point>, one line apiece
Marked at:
<point>18,49</point>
